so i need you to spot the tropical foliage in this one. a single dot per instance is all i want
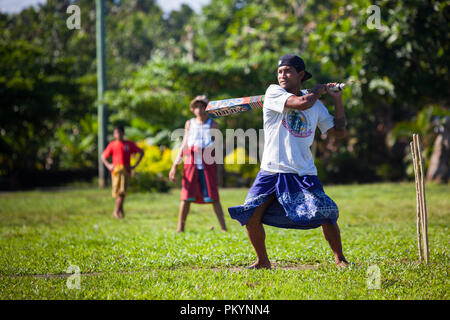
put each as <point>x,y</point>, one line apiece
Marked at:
<point>156,63</point>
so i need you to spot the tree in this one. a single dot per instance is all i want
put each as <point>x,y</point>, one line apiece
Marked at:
<point>33,99</point>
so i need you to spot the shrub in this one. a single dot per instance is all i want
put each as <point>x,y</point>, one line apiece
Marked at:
<point>152,173</point>
<point>239,169</point>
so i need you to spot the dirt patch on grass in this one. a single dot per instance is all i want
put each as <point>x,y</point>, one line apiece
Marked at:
<point>275,266</point>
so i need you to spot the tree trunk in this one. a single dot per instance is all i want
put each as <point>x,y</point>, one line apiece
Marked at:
<point>438,171</point>
<point>190,43</point>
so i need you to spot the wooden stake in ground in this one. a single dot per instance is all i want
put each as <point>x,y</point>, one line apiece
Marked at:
<point>424,202</point>
<point>420,196</point>
<point>418,205</point>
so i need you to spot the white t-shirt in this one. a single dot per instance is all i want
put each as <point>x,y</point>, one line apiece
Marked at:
<point>289,133</point>
<point>199,135</point>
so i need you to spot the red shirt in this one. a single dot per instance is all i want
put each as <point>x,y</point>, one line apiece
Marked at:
<point>121,152</point>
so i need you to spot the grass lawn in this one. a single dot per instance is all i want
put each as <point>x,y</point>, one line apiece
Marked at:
<point>42,233</point>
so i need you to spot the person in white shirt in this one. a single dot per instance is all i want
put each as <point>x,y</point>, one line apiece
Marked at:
<point>199,182</point>
<point>287,192</point>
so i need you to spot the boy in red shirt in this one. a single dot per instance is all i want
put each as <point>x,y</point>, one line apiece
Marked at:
<point>120,168</point>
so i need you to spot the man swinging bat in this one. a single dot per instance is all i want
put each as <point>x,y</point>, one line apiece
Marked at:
<point>287,192</point>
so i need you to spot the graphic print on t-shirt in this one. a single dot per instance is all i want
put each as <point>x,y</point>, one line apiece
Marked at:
<point>296,122</point>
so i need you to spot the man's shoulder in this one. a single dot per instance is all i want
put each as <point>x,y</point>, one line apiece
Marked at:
<point>319,106</point>
<point>112,144</point>
<point>274,88</point>
<point>130,142</point>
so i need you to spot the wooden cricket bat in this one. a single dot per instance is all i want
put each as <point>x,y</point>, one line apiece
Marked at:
<point>222,108</point>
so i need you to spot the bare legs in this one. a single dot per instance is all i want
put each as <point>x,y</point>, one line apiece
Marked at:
<point>219,213</point>
<point>118,210</point>
<point>184,211</point>
<point>257,236</point>
<point>332,234</point>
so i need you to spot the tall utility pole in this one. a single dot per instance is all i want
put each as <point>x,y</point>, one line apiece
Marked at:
<point>101,87</point>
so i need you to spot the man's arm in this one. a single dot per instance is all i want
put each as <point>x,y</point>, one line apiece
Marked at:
<point>338,131</point>
<point>215,125</point>
<point>107,164</point>
<point>141,155</point>
<point>306,101</point>
<point>179,157</point>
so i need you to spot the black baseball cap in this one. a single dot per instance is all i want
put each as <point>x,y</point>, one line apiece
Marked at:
<point>294,61</point>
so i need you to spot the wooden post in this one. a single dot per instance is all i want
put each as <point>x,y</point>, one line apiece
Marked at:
<point>423,198</point>
<point>101,87</point>
<point>418,202</point>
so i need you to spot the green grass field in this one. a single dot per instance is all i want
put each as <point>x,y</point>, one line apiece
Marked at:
<point>42,233</point>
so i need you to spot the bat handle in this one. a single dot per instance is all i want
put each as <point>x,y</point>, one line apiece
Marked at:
<point>338,87</point>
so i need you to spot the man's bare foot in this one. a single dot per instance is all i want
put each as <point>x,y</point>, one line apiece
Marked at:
<point>342,263</point>
<point>224,230</point>
<point>115,215</point>
<point>260,265</point>
<point>179,230</point>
